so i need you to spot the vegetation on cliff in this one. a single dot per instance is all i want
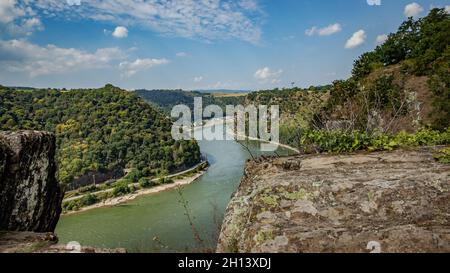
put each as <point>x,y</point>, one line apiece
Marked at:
<point>99,129</point>
<point>400,89</point>
<point>418,51</point>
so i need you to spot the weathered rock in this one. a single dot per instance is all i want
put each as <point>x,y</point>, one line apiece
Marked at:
<point>382,202</point>
<point>30,242</point>
<point>30,195</point>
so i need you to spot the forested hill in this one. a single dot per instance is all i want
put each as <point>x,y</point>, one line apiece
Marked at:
<point>402,85</point>
<point>98,129</point>
<point>167,99</point>
<point>407,75</point>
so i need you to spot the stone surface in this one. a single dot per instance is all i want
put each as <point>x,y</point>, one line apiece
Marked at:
<point>30,195</point>
<point>380,202</point>
<point>29,242</point>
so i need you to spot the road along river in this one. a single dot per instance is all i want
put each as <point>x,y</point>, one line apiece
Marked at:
<point>158,222</point>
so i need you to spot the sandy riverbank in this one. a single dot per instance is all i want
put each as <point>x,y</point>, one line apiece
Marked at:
<point>129,197</point>
<point>268,142</point>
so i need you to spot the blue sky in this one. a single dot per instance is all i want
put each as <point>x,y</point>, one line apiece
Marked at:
<point>204,44</point>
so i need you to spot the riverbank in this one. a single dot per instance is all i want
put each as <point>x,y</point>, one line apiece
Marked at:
<point>200,169</point>
<point>129,197</point>
<point>134,224</point>
<point>264,141</point>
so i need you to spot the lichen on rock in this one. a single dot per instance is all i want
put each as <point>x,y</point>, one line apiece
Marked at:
<point>341,203</point>
<point>30,195</point>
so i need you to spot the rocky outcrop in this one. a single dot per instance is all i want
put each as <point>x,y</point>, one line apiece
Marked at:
<point>30,195</point>
<point>380,202</point>
<point>30,242</point>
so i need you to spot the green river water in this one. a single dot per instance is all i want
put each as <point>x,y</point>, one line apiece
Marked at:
<point>135,224</point>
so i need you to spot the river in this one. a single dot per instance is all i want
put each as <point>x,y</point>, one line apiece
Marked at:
<point>158,222</point>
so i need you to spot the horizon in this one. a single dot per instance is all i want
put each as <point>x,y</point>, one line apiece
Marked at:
<point>158,45</point>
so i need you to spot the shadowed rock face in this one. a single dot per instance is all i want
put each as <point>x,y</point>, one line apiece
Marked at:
<point>30,195</point>
<point>382,202</point>
<point>31,242</point>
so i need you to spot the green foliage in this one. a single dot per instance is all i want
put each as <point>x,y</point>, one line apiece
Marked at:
<point>290,100</point>
<point>167,99</point>
<point>73,205</point>
<point>439,83</point>
<point>145,183</point>
<point>422,42</point>
<point>166,180</point>
<point>87,189</point>
<point>88,200</point>
<point>443,156</point>
<point>340,142</point>
<point>122,188</point>
<point>384,94</point>
<point>341,91</point>
<point>134,176</point>
<point>98,129</point>
<point>422,48</point>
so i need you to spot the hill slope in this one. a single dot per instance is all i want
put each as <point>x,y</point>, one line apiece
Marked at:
<point>402,85</point>
<point>167,99</point>
<point>98,129</point>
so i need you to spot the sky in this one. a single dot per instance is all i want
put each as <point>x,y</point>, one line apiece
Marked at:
<point>192,44</point>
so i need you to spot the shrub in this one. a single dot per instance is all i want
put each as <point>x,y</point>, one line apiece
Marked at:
<point>121,188</point>
<point>340,142</point>
<point>71,205</point>
<point>145,182</point>
<point>134,176</point>
<point>88,200</point>
<point>166,180</point>
<point>443,156</point>
<point>87,189</point>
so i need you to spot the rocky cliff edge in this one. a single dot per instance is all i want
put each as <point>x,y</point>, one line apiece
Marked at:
<point>380,202</point>
<point>30,195</point>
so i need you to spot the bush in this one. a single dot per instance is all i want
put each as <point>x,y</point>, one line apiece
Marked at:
<point>134,176</point>
<point>71,205</point>
<point>443,156</point>
<point>145,183</point>
<point>166,180</point>
<point>88,200</point>
<point>121,188</point>
<point>341,142</point>
<point>87,189</point>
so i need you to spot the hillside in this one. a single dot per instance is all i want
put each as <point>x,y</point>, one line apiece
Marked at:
<point>403,85</point>
<point>378,181</point>
<point>98,130</point>
<point>167,99</point>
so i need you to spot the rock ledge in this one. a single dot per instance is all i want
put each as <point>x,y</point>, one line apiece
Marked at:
<point>379,202</point>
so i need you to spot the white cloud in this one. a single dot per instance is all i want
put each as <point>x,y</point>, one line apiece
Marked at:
<point>357,39</point>
<point>9,11</point>
<point>198,79</point>
<point>120,32</point>
<point>181,54</point>
<point>74,2</point>
<point>325,31</point>
<point>447,9</point>
<point>206,19</point>
<point>374,2</point>
<point>267,75</point>
<point>35,60</point>
<point>413,9</point>
<point>131,68</point>
<point>381,39</point>
<point>249,4</point>
<point>17,18</point>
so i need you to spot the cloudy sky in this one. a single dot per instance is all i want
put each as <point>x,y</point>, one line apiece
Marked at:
<point>192,44</point>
